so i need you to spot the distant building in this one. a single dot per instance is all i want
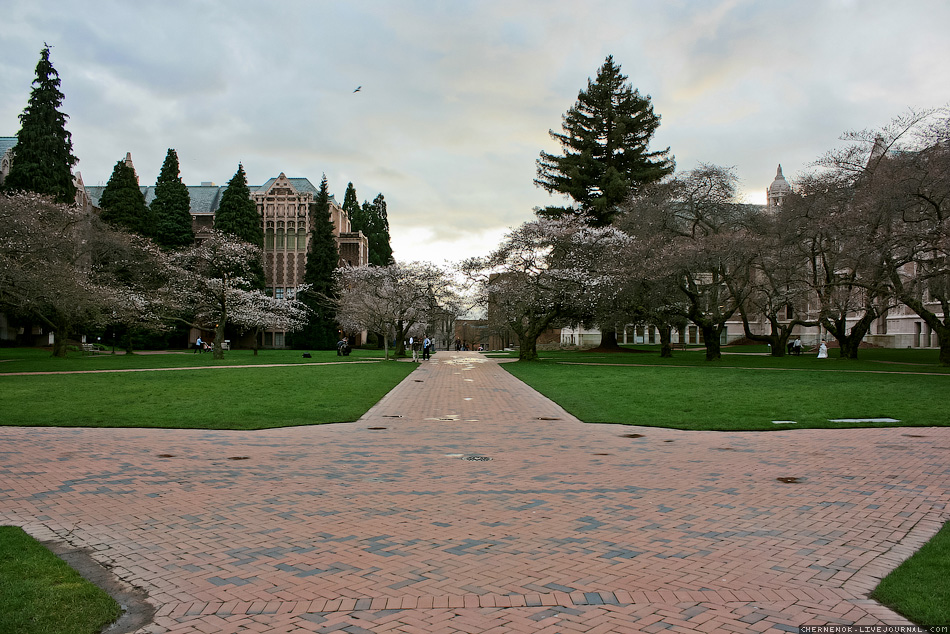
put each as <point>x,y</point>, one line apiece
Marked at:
<point>284,204</point>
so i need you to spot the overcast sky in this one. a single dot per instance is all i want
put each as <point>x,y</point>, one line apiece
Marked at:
<point>458,96</point>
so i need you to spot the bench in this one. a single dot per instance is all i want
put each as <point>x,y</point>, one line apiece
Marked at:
<point>90,348</point>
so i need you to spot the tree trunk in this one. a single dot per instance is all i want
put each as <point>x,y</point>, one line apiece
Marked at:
<point>943,336</point>
<point>666,341</point>
<point>528,350</point>
<point>608,340</point>
<point>219,341</point>
<point>60,337</point>
<point>711,340</point>
<point>257,335</point>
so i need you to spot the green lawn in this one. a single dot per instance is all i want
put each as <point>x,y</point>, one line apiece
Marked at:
<point>919,588</point>
<point>743,391</point>
<point>40,360</point>
<point>40,594</point>
<point>226,398</point>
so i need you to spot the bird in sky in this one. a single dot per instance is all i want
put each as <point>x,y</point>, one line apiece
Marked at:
<point>358,88</point>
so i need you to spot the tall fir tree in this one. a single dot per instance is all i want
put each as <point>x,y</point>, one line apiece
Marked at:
<point>320,333</point>
<point>375,225</point>
<point>172,207</point>
<point>605,142</point>
<point>237,215</point>
<point>123,203</point>
<point>351,206</point>
<point>43,154</point>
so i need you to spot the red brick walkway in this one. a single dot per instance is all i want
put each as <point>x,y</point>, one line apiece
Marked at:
<point>466,502</point>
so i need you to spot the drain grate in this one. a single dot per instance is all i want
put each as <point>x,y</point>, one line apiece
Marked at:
<point>603,454</point>
<point>632,436</point>
<point>546,418</point>
<point>239,458</point>
<point>392,416</point>
<point>166,455</point>
<point>376,428</point>
<point>788,480</point>
<point>477,458</point>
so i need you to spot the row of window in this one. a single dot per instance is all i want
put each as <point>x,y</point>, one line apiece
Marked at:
<point>281,292</point>
<point>280,239</point>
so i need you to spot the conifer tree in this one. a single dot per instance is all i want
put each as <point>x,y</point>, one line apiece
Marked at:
<point>605,140</point>
<point>320,333</point>
<point>123,203</point>
<point>172,207</point>
<point>237,215</point>
<point>376,228</point>
<point>351,205</point>
<point>43,154</point>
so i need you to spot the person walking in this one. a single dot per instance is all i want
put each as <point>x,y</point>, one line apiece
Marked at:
<point>198,344</point>
<point>426,343</point>
<point>414,346</point>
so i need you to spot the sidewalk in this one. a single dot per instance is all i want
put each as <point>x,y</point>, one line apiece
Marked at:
<point>466,502</point>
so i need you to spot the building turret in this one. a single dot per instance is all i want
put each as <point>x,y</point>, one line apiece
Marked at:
<point>778,191</point>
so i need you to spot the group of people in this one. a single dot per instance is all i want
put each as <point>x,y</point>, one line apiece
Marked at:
<point>795,348</point>
<point>424,345</point>
<point>201,346</point>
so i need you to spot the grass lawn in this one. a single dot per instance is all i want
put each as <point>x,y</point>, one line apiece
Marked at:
<point>919,587</point>
<point>743,391</point>
<point>41,360</point>
<point>227,398</point>
<point>40,594</point>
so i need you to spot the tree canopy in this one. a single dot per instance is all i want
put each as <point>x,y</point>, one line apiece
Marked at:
<point>373,221</point>
<point>320,331</point>
<point>43,154</point>
<point>123,203</point>
<point>237,216</point>
<point>605,140</point>
<point>171,207</point>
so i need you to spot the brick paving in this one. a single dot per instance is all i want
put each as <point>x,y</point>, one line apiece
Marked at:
<point>466,502</point>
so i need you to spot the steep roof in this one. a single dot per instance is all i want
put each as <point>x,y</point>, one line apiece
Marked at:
<point>204,198</point>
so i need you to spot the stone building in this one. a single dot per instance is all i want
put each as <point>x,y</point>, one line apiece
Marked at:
<point>284,205</point>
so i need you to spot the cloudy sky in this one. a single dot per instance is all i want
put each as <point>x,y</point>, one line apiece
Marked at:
<point>458,96</point>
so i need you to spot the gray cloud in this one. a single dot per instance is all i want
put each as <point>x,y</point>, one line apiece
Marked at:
<point>458,97</point>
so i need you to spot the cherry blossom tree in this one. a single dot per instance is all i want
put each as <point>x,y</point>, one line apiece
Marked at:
<point>544,274</point>
<point>216,280</point>
<point>396,300</point>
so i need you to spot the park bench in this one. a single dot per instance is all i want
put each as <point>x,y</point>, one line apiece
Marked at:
<point>90,348</point>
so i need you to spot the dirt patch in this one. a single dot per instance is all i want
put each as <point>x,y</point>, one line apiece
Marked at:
<point>136,610</point>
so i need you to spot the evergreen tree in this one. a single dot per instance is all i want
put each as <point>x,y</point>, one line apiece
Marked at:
<point>605,139</point>
<point>375,225</point>
<point>237,215</point>
<point>351,205</point>
<point>172,207</point>
<point>123,203</point>
<point>320,333</point>
<point>43,154</point>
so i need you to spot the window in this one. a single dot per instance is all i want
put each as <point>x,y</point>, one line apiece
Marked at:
<point>278,340</point>
<point>279,293</point>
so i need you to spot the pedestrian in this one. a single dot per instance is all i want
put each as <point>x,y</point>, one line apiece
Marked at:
<point>822,351</point>
<point>414,346</point>
<point>426,343</point>
<point>198,344</point>
<point>797,346</point>
<point>458,344</point>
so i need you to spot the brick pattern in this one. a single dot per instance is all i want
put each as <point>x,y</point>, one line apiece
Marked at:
<point>480,506</point>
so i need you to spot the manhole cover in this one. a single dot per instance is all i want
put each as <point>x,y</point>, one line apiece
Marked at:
<point>376,428</point>
<point>632,436</point>
<point>602,454</point>
<point>166,455</point>
<point>417,380</point>
<point>239,458</point>
<point>667,441</point>
<point>789,480</point>
<point>477,458</point>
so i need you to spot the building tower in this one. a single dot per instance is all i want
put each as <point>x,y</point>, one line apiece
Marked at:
<point>778,191</point>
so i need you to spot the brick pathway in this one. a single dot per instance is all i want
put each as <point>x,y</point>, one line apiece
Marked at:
<point>466,502</point>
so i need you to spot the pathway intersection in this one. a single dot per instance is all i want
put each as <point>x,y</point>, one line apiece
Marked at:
<point>466,502</point>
